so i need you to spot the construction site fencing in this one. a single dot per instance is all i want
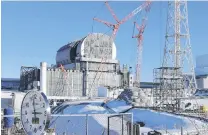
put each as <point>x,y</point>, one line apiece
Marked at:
<point>91,124</point>
<point>99,124</point>
<point>120,124</point>
<point>181,132</point>
<point>80,124</point>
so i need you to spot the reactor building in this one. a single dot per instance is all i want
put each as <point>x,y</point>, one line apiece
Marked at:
<point>81,67</point>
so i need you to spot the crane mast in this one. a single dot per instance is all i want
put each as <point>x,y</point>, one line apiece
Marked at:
<point>115,28</point>
<point>139,38</point>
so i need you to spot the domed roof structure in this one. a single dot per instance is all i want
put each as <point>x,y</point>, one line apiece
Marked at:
<point>96,45</point>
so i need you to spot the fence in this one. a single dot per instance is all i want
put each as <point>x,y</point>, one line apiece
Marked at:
<point>97,124</point>
<point>85,124</point>
<point>91,124</point>
<point>121,124</point>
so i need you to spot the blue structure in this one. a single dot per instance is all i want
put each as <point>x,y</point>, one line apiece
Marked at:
<point>10,83</point>
<point>8,121</point>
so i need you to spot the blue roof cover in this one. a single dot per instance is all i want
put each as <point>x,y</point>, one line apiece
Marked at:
<point>147,84</point>
<point>10,79</point>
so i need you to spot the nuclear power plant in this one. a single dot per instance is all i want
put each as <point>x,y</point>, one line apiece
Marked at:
<point>87,91</point>
<point>81,67</point>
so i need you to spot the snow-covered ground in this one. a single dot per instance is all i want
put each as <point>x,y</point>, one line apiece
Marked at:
<point>72,119</point>
<point>75,121</point>
<point>162,121</point>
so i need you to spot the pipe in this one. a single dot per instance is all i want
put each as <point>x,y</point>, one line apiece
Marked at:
<point>43,77</point>
<point>86,80</point>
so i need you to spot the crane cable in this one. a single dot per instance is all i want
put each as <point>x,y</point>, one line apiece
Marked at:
<point>102,58</point>
<point>98,69</point>
<point>98,11</point>
<point>92,32</point>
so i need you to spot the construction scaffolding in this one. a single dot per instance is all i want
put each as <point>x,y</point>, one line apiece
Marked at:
<point>169,86</point>
<point>79,83</point>
<point>67,83</point>
<point>28,75</point>
<point>176,76</point>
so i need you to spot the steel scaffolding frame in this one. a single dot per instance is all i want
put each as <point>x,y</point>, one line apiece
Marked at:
<point>27,76</point>
<point>169,87</point>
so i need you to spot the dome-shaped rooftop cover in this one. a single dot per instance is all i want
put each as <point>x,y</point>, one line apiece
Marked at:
<point>95,45</point>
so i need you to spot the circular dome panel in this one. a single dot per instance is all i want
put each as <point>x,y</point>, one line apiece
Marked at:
<point>97,45</point>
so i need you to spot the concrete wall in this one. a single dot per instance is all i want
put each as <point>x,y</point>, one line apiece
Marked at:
<point>103,79</point>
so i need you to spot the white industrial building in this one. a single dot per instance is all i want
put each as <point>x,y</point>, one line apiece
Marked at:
<point>199,100</point>
<point>202,71</point>
<point>89,63</point>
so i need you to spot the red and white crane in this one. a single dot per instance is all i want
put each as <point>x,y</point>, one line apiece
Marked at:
<point>115,28</point>
<point>139,38</point>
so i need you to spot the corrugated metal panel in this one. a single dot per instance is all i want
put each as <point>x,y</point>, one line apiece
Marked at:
<point>72,82</point>
<point>66,83</point>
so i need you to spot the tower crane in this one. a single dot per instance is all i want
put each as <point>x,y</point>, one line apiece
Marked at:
<point>140,98</point>
<point>139,38</point>
<point>116,26</point>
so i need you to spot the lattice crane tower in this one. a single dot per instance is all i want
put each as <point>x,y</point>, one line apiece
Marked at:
<point>176,77</point>
<point>116,26</point>
<point>177,44</point>
<point>139,38</point>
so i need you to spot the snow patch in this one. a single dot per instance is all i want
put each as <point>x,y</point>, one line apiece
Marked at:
<point>162,121</point>
<point>97,119</point>
<point>75,122</point>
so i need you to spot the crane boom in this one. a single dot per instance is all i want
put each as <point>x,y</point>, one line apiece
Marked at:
<point>116,26</point>
<point>115,29</point>
<point>111,11</point>
<point>145,6</point>
<point>139,38</point>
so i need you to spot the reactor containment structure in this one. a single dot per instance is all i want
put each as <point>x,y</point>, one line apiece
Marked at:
<point>81,67</point>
